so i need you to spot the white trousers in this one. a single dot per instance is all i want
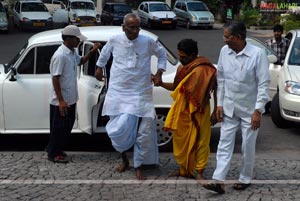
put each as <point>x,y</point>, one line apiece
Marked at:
<point>229,128</point>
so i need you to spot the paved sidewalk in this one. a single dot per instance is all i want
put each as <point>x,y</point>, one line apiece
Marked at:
<point>90,176</point>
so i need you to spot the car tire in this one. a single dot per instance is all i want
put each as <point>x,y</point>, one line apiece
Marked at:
<point>164,138</point>
<point>276,117</point>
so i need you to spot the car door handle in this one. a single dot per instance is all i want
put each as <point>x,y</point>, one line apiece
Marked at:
<point>97,86</point>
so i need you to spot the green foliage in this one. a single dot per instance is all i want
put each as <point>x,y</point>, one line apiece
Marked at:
<point>290,24</point>
<point>250,16</point>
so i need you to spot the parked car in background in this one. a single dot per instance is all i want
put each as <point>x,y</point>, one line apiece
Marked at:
<point>26,79</point>
<point>31,14</point>
<point>155,13</point>
<point>113,13</point>
<point>77,12</point>
<point>285,105</point>
<point>193,14</point>
<point>3,19</point>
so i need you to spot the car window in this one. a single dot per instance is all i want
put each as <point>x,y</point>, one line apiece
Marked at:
<point>259,44</point>
<point>159,7</point>
<point>196,6</point>
<point>17,7</point>
<point>294,58</point>
<point>29,7</point>
<point>82,5</point>
<point>27,65</point>
<point>121,9</point>
<point>44,54</point>
<point>38,64</point>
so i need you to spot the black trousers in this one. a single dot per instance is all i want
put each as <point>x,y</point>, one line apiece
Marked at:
<point>60,129</point>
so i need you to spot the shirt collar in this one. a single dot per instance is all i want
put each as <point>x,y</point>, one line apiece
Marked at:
<point>246,51</point>
<point>66,49</point>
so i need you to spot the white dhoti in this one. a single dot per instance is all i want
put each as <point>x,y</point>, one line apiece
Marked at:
<point>126,131</point>
<point>229,128</point>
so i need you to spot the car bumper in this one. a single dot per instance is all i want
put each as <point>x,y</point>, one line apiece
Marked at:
<point>202,24</point>
<point>37,25</point>
<point>289,106</point>
<point>164,22</point>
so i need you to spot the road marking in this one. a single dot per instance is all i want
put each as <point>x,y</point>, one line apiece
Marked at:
<point>147,182</point>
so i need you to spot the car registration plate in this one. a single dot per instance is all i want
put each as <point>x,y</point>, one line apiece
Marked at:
<point>166,22</point>
<point>38,24</point>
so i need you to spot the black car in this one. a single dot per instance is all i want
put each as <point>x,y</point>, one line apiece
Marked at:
<point>113,13</point>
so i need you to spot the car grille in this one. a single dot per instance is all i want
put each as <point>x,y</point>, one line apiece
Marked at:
<point>203,18</point>
<point>86,18</point>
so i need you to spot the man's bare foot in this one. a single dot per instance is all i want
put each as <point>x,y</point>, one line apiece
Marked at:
<point>139,174</point>
<point>176,173</point>
<point>123,166</point>
<point>200,178</point>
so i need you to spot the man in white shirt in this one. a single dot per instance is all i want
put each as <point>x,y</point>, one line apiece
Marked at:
<point>64,93</point>
<point>243,81</point>
<point>129,100</point>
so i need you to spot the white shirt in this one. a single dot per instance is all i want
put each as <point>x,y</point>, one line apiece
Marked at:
<point>130,86</point>
<point>243,81</point>
<point>64,63</point>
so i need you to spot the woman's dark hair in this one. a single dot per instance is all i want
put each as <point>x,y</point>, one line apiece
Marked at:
<point>188,46</point>
<point>237,28</point>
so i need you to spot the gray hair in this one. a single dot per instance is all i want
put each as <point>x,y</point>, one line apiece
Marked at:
<point>237,28</point>
<point>131,15</point>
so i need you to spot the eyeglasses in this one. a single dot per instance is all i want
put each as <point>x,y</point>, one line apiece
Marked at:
<point>227,37</point>
<point>133,28</point>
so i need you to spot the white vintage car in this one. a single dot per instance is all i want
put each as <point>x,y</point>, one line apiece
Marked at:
<point>25,83</point>
<point>285,107</point>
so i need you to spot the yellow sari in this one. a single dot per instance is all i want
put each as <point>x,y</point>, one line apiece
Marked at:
<point>189,116</point>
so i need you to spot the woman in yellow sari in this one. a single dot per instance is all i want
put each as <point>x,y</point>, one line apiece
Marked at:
<point>189,117</point>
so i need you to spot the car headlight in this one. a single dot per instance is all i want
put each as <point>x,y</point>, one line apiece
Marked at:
<point>193,18</point>
<point>292,87</point>
<point>49,19</point>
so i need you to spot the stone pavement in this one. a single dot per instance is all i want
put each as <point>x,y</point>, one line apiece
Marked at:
<point>90,176</point>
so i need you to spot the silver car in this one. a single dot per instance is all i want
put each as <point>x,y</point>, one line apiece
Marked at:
<point>193,14</point>
<point>3,19</point>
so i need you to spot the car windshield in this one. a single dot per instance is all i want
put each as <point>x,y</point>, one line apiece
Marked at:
<point>82,5</point>
<point>159,7</point>
<point>12,62</point>
<point>1,8</point>
<point>197,6</point>
<point>35,7</point>
<point>261,45</point>
<point>295,53</point>
<point>121,9</point>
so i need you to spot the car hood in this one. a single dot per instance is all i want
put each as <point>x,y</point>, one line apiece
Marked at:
<point>85,12</point>
<point>201,14</point>
<point>294,73</point>
<point>164,14</point>
<point>37,15</point>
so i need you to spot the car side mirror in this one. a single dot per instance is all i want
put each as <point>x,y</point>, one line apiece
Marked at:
<point>272,58</point>
<point>12,75</point>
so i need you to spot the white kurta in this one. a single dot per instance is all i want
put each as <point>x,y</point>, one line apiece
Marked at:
<point>130,85</point>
